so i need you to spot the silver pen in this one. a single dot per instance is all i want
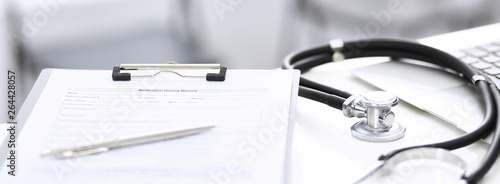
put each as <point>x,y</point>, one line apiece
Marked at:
<point>106,145</point>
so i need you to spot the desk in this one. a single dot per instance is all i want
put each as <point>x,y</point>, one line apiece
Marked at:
<point>325,152</point>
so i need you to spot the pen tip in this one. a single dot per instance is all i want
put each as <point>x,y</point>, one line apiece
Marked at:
<point>205,127</point>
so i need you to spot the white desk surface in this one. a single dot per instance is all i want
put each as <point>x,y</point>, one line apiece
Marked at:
<point>323,150</point>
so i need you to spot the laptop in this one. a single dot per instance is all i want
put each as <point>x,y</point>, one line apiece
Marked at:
<point>435,90</point>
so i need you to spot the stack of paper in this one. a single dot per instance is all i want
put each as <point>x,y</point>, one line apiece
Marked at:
<point>253,111</point>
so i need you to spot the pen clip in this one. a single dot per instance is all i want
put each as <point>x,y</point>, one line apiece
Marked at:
<point>69,154</point>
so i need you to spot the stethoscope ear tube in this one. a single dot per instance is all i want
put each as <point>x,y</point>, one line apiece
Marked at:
<point>494,149</point>
<point>491,96</point>
<point>489,93</point>
<point>414,158</point>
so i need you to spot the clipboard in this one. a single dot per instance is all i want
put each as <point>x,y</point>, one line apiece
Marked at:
<point>39,116</point>
<point>170,67</point>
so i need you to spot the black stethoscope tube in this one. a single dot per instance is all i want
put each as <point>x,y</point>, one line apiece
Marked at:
<point>493,150</point>
<point>322,97</point>
<point>489,93</point>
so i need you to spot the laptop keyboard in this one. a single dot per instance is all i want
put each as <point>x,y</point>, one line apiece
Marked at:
<point>484,57</point>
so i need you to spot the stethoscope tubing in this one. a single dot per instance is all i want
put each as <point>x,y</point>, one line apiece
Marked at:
<point>488,92</point>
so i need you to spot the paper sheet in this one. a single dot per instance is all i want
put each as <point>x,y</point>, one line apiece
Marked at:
<point>251,110</point>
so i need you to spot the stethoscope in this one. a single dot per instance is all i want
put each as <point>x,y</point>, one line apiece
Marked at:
<point>374,107</point>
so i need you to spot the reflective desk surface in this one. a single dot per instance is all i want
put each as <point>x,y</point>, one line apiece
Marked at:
<point>323,150</point>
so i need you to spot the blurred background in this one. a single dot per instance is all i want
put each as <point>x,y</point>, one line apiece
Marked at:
<point>255,34</point>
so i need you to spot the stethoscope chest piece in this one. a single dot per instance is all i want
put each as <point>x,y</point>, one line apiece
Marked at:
<point>378,124</point>
<point>374,109</point>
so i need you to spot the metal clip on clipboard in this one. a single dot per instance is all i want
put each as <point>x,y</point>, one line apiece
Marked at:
<point>171,67</point>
